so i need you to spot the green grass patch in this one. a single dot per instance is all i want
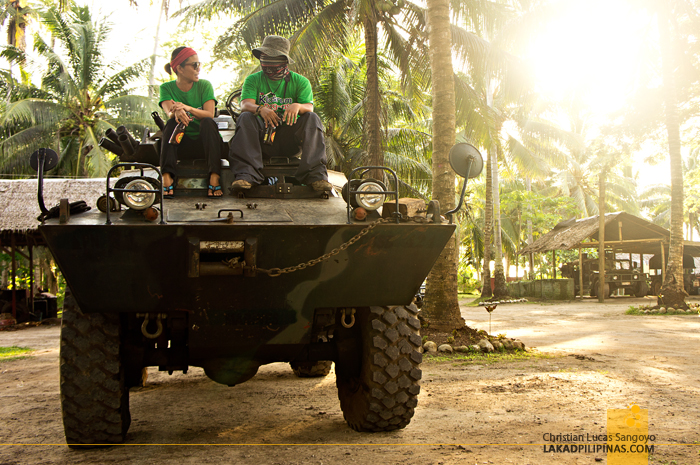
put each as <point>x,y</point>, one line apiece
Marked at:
<point>632,310</point>
<point>469,295</point>
<point>475,302</point>
<point>13,353</point>
<point>478,358</point>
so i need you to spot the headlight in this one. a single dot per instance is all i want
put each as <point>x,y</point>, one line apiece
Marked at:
<point>139,200</point>
<point>614,278</point>
<point>370,201</point>
<point>635,277</point>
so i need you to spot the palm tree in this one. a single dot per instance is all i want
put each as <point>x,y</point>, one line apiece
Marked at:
<point>441,304</point>
<point>80,98</point>
<point>339,98</point>
<point>16,15</point>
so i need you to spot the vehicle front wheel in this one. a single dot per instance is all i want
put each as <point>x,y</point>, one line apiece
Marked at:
<point>94,396</point>
<point>311,369</point>
<point>383,394</point>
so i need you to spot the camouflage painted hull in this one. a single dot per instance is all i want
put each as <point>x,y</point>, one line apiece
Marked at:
<point>136,266</point>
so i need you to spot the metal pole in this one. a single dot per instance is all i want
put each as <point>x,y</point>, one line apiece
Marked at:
<point>601,237</point>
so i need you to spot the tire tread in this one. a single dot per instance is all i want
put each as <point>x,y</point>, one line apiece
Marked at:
<point>94,399</point>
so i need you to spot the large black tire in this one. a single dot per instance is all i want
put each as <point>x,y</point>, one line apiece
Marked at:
<point>383,396</point>
<point>311,369</point>
<point>94,397</point>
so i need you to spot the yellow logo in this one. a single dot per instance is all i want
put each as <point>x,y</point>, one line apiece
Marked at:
<point>628,436</point>
<point>634,417</point>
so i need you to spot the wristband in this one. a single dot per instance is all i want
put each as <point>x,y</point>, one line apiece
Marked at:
<point>257,110</point>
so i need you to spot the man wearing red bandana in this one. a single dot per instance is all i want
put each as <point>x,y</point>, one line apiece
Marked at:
<point>282,99</point>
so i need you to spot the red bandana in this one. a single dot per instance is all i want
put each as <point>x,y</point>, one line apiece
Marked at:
<point>184,54</point>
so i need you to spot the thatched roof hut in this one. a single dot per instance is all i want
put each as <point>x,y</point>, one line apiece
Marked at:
<point>620,229</point>
<point>19,208</point>
<point>623,231</point>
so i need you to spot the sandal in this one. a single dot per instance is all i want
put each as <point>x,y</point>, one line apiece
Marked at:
<point>213,189</point>
<point>168,192</point>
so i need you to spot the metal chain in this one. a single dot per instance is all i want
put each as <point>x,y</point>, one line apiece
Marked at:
<point>274,272</point>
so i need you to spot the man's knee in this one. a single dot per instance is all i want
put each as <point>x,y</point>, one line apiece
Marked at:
<point>312,119</point>
<point>247,119</point>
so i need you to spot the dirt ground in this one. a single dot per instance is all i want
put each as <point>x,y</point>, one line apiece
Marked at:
<point>467,413</point>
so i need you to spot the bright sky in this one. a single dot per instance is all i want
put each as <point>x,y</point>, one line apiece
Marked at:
<point>597,45</point>
<point>134,31</point>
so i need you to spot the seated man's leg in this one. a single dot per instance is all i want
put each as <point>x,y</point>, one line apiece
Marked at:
<point>308,132</point>
<point>245,153</point>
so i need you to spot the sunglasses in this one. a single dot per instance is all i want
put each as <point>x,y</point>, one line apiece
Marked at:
<point>194,64</point>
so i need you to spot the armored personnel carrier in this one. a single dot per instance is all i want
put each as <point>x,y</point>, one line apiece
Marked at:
<point>280,273</point>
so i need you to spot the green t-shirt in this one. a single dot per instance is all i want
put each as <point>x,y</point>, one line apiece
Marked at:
<point>201,92</point>
<point>273,94</point>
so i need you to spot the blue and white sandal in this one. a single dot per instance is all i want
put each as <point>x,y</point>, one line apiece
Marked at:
<point>214,189</point>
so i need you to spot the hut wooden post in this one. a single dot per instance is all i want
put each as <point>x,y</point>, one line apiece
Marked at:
<point>554,264</point>
<point>601,237</point>
<point>14,276</point>
<point>663,264</point>
<point>31,278</point>
<point>580,272</point>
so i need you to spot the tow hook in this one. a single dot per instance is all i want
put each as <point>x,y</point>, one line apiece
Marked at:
<point>352,318</point>
<point>159,324</point>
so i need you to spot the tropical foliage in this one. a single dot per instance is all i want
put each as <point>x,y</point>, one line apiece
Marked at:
<point>81,95</point>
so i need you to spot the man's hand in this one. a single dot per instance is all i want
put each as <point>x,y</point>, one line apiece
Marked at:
<point>269,117</point>
<point>290,115</point>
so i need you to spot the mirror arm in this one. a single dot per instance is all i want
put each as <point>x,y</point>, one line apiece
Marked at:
<point>464,190</point>
<point>40,181</point>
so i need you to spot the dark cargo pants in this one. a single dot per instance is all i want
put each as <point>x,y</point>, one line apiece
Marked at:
<point>207,146</point>
<point>247,151</point>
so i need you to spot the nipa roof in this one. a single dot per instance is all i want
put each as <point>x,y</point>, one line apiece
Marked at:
<point>619,226</point>
<point>19,208</point>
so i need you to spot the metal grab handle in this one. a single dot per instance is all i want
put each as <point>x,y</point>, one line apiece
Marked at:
<point>218,215</point>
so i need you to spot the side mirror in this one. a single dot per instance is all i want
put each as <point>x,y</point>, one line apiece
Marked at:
<point>46,157</point>
<point>466,160</point>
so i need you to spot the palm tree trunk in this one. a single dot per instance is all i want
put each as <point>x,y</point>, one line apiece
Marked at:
<point>530,238</point>
<point>373,104</point>
<point>672,292</point>
<point>441,307</point>
<point>152,69</point>
<point>488,227</point>
<point>500,289</point>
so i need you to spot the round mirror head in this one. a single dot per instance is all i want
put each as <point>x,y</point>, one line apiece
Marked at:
<point>460,156</point>
<point>50,159</point>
